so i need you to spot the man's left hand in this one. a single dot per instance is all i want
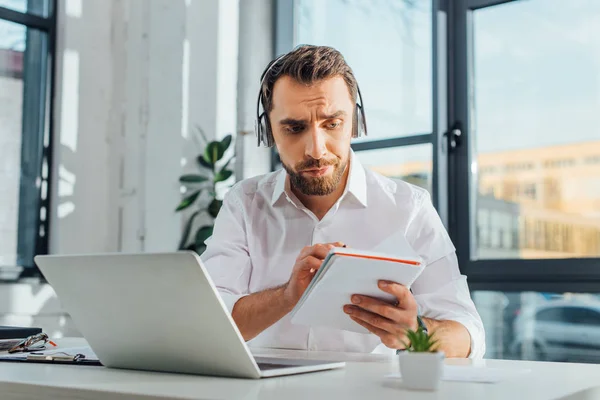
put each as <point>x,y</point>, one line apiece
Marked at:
<point>386,320</point>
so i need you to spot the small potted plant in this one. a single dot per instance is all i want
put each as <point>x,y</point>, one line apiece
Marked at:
<point>421,364</point>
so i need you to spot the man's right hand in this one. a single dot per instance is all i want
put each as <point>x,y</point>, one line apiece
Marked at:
<point>307,264</point>
<point>256,312</point>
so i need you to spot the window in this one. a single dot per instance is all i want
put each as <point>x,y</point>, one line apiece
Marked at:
<point>556,314</point>
<point>25,71</point>
<point>541,325</point>
<point>388,46</point>
<point>584,316</point>
<point>515,71</point>
<point>399,109</point>
<point>36,7</point>
<point>409,163</point>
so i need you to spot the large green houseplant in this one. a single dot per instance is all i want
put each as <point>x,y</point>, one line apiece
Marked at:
<point>201,192</point>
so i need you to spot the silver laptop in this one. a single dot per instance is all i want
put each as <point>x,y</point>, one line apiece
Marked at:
<point>158,312</point>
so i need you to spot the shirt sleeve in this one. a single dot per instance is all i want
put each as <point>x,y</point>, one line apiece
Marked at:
<point>441,291</point>
<point>226,256</point>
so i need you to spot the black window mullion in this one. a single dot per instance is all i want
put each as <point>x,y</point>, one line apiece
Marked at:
<point>29,20</point>
<point>392,142</point>
<point>35,66</point>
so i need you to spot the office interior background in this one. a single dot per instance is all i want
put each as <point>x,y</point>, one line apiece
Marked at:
<point>491,105</point>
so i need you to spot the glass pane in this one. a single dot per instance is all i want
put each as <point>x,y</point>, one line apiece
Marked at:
<point>412,164</point>
<point>537,130</point>
<point>540,326</point>
<point>12,43</point>
<point>23,55</point>
<point>388,45</point>
<point>35,7</point>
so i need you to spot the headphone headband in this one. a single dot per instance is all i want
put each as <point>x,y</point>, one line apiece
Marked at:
<point>262,127</point>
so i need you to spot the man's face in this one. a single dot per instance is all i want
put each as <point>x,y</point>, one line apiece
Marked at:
<point>312,128</point>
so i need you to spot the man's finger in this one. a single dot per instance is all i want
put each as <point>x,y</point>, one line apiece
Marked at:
<point>311,264</point>
<point>322,249</point>
<point>388,339</point>
<point>380,307</point>
<point>305,252</point>
<point>369,327</point>
<point>372,319</point>
<point>405,298</point>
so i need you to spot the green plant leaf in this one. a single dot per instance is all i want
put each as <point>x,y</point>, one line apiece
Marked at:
<point>192,178</point>
<point>225,143</point>
<point>420,341</point>
<point>214,207</point>
<point>200,249</point>
<point>203,162</point>
<point>213,152</point>
<point>186,230</point>
<point>188,201</point>
<point>202,234</point>
<point>223,175</point>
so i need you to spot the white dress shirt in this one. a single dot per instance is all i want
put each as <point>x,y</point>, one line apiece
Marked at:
<point>262,227</point>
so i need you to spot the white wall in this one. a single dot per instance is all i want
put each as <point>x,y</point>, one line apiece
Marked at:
<point>256,26</point>
<point>133,79</point>
<point>147,72</point>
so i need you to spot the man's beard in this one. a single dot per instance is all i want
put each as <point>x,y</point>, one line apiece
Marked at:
<point>316,185</point>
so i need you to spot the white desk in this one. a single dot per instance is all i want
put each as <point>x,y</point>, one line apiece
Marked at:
<point>363,378</point>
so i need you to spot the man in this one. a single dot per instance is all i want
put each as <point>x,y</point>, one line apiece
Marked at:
<point>273,231</point>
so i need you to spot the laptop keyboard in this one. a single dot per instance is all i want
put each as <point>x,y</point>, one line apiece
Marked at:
<point>269,366</point>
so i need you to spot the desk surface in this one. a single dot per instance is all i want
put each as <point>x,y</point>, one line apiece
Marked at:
<point>363,378</point>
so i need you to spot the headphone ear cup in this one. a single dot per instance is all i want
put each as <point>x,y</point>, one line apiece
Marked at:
<point>261,130</point>
<point>269,141</point>
<point>361,124</point>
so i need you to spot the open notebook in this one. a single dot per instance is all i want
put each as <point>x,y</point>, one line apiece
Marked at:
<point>345,272</point>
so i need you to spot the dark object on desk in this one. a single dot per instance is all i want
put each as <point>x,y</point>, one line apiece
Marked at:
<point>52,360</point>
<point>17,332</point>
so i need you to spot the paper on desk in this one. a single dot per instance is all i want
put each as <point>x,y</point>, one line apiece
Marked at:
<point>86,351</point>
<point>465,373</point>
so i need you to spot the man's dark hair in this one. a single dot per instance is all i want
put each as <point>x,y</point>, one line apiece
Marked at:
<point>307,64</point>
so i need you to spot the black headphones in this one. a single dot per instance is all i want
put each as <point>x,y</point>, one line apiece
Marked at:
<point>262,127</point>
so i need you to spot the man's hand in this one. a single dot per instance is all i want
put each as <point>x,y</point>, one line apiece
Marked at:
<point>256,312</point>
<point>388,321</point>
<point>307,264</point>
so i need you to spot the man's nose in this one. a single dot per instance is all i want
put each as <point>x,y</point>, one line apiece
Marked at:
<point>315,144</point>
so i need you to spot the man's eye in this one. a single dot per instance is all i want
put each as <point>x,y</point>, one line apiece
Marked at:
<point>333,125</point>
<point>294,128</point>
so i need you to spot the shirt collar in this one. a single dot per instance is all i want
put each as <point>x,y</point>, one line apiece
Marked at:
<point>357,183</point>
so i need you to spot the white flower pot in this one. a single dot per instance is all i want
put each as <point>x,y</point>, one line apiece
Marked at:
<point>421,371</point>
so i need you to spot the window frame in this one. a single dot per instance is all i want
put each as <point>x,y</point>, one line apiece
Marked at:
<point>38,92</point>
<point>545,275</point>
